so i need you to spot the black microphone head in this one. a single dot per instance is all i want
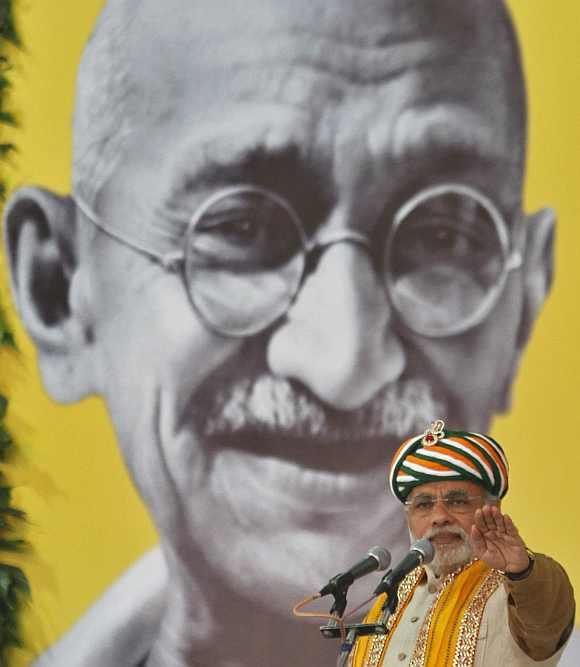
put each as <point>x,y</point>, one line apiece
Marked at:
<point>382,556</point>
<point>425,548</point>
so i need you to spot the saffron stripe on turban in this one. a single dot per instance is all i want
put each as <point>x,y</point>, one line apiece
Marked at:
<point>459,455</point>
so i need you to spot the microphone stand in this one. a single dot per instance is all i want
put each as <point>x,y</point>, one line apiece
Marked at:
<point>338,609</point>
<point>392,600</point>
<point>354,630</point>
<point>346,648</point>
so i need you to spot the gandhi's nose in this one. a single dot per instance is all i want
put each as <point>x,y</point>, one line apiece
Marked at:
<point>337,338</point>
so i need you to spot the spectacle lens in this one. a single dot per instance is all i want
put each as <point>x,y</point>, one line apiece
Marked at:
<point>446,260</point>
<point>244,260</point>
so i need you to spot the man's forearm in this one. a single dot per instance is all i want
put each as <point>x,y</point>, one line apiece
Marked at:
<point>541,608</point>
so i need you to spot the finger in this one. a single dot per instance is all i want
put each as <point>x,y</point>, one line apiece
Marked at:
<point>511,529</point>
<point>479,521</point>
<point>498,519</point>
<point>477,541</point>
<point>488,517</point>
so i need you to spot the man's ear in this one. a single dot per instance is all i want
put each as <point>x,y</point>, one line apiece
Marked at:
<point>40,231</point>
<point>537,268</point>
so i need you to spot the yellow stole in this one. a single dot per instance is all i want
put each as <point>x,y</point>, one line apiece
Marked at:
<point>449,632</point>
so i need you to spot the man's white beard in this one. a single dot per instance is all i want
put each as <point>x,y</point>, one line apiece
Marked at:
<point>449,557</point>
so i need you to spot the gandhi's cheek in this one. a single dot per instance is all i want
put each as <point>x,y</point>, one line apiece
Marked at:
<point>159,352</point>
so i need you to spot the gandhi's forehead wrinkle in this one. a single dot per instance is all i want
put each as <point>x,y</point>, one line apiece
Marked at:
<point>427,126</point>
<point>368,66</point>
<point>339,59</point>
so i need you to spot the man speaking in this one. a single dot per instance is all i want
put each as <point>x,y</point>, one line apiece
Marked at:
<point>295,234</point>
<point>485,598</point>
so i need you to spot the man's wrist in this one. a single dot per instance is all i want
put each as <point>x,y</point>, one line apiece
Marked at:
<point>523,574</point>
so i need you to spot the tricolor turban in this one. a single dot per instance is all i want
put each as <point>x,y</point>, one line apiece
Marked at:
<point>440,455</point>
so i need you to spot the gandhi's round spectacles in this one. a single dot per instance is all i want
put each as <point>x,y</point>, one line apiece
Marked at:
<point>423,505</point>
<point>444,262</point>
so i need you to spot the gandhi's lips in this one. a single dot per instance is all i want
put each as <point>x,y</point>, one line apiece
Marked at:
<point>316,453</point>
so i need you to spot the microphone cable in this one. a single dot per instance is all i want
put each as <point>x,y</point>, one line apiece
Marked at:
<point>296,610</point>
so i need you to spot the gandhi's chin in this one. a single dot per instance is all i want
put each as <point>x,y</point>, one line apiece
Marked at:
<point>280,569</point>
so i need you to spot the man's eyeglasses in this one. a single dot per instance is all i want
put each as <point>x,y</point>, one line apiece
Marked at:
<point>444,262</point>
<point>422,506</point>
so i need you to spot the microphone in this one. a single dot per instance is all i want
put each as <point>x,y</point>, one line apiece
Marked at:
<point>377,558</point>
<point>421,551</point>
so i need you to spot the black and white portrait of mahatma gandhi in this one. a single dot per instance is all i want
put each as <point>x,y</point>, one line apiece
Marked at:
<point>294,226</point>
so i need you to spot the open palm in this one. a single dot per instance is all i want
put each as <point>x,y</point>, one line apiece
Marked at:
<point>496,540</point>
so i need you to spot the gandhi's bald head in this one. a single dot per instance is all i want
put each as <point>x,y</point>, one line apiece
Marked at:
<point>119,86</point>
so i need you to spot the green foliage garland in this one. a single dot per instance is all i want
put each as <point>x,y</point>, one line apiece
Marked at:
<point>13,582</point>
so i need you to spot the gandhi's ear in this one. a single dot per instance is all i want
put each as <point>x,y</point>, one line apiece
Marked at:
<point>537,273</point>
<point>41,244</point>
<point>537,268</point>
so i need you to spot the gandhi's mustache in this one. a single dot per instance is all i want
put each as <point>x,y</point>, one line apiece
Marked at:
<point>271,405</point>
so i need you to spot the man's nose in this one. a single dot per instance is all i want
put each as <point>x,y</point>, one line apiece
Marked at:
<point>337,338</point>
<point>440,515</point>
